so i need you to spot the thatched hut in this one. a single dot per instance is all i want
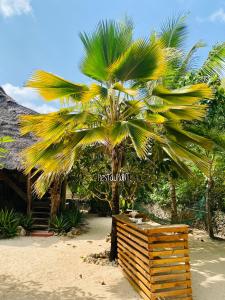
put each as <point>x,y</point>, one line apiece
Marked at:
<point>15,187</point>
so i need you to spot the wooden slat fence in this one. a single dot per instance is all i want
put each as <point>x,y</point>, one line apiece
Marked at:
<point>155,259</point>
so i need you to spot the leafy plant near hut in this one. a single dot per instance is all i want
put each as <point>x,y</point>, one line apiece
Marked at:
<point>8,223</point>
<point>128,102</point>
<point>67,219</point>
<point>59,224</point>
<point>25,221</point>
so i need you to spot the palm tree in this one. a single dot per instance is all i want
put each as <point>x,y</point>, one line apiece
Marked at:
<point>182,70</point>
<point>117,108</point>
<point>3,151</point>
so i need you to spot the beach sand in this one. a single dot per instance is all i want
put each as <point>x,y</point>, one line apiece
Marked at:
<point>52,268</point>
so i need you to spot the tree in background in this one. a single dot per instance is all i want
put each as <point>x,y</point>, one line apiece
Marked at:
<point>127,101</point>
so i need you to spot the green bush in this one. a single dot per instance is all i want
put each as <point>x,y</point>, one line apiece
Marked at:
<point>59,224</point>
<point>8,223</point>
<point>69,217</point>
<point>26,222</point>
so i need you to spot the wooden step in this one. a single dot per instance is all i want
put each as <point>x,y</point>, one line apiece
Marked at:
<point>40,219</point>
<point>40,226</point>
<point>40,212</point>
<point>41,233</point>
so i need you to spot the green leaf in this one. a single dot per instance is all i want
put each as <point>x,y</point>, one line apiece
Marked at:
<point>103,47</point>
<point>52,87</point>
<point>215,62</point>
<point>142,61</point>
<point>174,32</point>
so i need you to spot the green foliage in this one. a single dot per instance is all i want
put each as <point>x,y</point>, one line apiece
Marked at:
<point>73,215</point>
<point>8,223</point>
<point>26,222</point>
<point>125,204</point>
<point>68,218</point>
<point>59,224</point>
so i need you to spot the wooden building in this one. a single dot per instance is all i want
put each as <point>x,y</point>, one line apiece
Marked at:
<point>15,186</point>
<point>15,190</point>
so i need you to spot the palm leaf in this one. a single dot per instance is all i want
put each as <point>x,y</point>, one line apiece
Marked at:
<point>142,61</point>
<point>174,32</point>
<point>184,96</point>
<point>215,62</point>
<point>52,87</point>
<point>103,47</point>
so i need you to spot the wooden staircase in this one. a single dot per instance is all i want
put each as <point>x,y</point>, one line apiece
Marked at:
<point>40,213</point>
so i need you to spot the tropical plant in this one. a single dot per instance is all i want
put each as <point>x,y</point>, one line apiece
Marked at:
<point>59,224</point>
<point>8,223</point>
<point>25,221</point>
<point>186,73</point>
<point>3,151</point>
<point>70,217</point>
<point>127,102</point>
<point>73,215</point>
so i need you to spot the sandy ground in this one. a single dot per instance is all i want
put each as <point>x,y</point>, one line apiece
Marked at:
<point>51,268</point>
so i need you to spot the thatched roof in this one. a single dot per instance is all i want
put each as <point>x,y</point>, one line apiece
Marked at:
<point>9,126</point>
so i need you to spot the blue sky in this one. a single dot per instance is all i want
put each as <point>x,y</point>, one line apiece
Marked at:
<point>43,34</point>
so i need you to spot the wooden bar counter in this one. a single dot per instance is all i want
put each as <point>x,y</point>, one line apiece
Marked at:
<point>155,258</point>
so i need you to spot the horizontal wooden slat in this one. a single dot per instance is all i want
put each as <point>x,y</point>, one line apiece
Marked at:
<point>133,251</point>
<point>172,260</point>
<point>168,245</point>
<point>141,285</point>
<point>182,292</point>
<point>133,238</point>
<point>137,273</point>
<point>136,287</point>
<point>135,258</point>
<point>168,285</point>
<point>171,228</point>
<point>145,276</point>
<point>133,231</point>
<point>167,277</point>
<point>133,244</point>
<point>170,269</point>
<point>171,237</point>
<point>169,252</point>
<point>136,265</point>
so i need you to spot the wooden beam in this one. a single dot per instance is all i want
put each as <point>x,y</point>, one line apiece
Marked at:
<point>14,186</point>
<point>29,193</point>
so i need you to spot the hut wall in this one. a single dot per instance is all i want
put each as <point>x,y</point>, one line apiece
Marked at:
<point>8,196</point>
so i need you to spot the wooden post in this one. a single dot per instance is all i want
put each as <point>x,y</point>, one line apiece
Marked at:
<point>29,194</point>
<point>63,193</point>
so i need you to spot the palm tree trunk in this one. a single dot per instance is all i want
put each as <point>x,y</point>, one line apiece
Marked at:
<point>55,195</point>
<point>173,197</point>
<point>116,165</point>
<point>208,204</point>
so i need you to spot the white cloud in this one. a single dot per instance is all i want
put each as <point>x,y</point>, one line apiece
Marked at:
<point>9,8</point>
<point>218,15</point>
<point>28,98</point>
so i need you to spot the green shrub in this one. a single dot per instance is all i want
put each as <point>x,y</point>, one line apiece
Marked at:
<point>26,222</point>
<point>59,224</point>
<point>8,223</point>
<point>70,217</point>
